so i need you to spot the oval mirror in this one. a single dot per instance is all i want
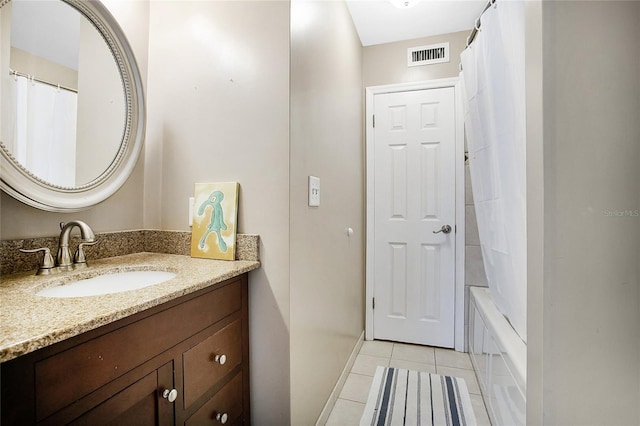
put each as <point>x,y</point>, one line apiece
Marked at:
<point>71,103</point>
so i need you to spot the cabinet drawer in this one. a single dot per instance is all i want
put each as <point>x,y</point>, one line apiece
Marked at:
<point>227,401</point>
<point>201,370</point>
<point>67,376</point>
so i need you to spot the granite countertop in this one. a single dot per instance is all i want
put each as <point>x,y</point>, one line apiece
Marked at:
<point>29,322</point>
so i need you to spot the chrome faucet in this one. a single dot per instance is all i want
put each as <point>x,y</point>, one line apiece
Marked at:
<point>64,255</point>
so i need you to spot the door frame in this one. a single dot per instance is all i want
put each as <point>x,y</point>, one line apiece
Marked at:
<point>370,93</point>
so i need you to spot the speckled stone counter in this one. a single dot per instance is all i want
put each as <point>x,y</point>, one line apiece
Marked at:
<point>29,322</point>
<point>114,244</point>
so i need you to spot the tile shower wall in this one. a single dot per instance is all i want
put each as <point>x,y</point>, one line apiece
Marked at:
<point>474,274</point>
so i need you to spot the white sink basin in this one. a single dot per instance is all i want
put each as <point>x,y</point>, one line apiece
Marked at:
<point>116,282</point>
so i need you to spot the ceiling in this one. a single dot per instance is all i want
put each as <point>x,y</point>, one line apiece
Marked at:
<point>47,29</point>
<point>379,21</point>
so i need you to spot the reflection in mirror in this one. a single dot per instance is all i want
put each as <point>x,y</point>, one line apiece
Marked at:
<point>63,107</point>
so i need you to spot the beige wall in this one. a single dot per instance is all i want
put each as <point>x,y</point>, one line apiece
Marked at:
<point>535,210</point>
<point>5,57</point>
<point>218,110</point>
<point>123,210</point>
<point>588,349</point>
<point>43,69</point>
<point>327,266</point>
<point>387,63</point>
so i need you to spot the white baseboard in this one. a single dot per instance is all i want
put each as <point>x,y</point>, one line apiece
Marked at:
<point>333,397</point>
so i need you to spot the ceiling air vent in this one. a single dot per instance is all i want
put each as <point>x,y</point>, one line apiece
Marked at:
<point>428,55</point>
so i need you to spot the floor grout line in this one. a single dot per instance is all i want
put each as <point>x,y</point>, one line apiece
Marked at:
<point>390,358</point>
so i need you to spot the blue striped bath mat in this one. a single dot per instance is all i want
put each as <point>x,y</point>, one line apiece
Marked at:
<point>416,398</point>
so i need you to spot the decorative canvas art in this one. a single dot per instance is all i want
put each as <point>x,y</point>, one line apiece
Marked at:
<point>215,213</point>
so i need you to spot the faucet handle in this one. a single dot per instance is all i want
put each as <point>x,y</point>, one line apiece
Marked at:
<point>79,257</point>
<point>47,265</point>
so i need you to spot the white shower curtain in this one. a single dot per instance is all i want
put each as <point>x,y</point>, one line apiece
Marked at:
<point>493,74</point>
<point>41,130</point>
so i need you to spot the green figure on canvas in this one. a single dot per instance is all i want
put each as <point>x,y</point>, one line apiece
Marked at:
<point>217,219</point>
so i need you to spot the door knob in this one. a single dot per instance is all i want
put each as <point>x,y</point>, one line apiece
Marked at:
<point>445,229</point>
<point>170,395</point>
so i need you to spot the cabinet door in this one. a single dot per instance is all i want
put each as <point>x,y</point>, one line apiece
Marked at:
<point>139,404</point>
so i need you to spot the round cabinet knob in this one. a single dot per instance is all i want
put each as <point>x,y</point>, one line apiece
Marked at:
<point>222,417</point>
<point>170,395</point>
<point>220,359</point>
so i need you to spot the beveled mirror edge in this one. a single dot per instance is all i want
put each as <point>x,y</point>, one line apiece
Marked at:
<point>22,185</point>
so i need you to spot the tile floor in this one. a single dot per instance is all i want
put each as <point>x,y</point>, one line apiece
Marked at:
<point>350,404</point>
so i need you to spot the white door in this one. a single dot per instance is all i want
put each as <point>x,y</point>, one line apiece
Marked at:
<point>414,190</point>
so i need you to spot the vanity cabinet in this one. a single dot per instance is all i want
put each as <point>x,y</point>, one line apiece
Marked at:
<point>185,362</point>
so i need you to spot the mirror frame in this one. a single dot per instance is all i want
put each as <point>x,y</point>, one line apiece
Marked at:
<point>21,184</point>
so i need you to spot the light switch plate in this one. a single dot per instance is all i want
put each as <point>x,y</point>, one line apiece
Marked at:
<point>314,191</point>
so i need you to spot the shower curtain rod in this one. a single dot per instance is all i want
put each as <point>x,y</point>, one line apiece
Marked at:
<point>476,27</point>
<point>30,77</point>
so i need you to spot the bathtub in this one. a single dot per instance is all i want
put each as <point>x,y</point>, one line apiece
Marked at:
<point>499,357</point>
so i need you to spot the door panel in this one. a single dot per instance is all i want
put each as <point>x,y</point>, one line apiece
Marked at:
<point>398,262</point>
<point>429,295</point>
<point>137,405</point>
<point>414,181</point>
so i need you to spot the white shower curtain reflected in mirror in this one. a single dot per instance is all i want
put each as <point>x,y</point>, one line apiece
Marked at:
<point>41,130</point>
<point>494,79</point>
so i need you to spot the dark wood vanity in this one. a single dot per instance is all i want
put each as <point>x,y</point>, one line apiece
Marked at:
<point>183,362</point>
